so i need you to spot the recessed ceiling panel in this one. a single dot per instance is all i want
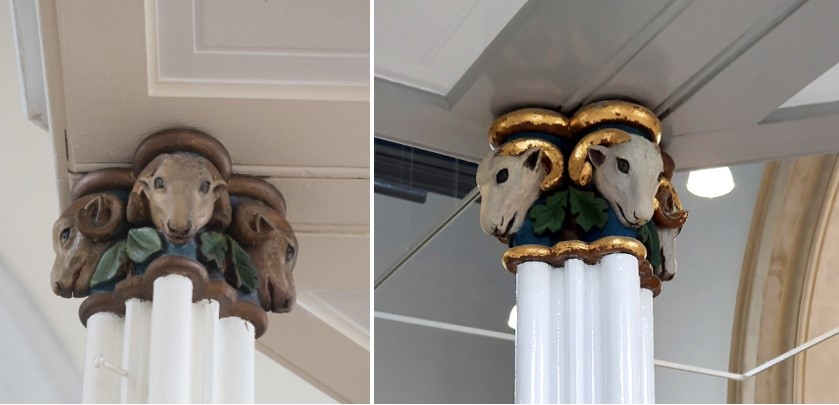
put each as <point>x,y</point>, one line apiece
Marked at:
<point>301,49</point>
<point>430,44</point>
<point>822,90</point>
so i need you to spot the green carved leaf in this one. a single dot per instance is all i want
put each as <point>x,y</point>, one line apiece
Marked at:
<point>590,210</point>
<point>243,266</point>
<point>551,215</point>
<point>213,248</point>
<point>142,243</point>
<point>110,265</point>
<point>651,242</point>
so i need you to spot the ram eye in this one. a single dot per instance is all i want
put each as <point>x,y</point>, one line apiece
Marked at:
<point>205,187</point>
<point>158,183</point>
<point>623,165</point>
<point>661,176</point>
<point>65,235</point>
<point>289,253</point>
<point>501,176</point>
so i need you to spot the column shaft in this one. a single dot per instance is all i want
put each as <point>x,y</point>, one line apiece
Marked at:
<point>104,338</point>
<point>535,376</point>
<point>171,340</point>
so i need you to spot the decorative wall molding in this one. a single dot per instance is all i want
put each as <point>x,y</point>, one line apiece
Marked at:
<point>794,199</point>
<point>185,58</point>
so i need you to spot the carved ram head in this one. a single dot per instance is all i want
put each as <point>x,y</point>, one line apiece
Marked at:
<point>509,186</point>
<point>626,170</point>
<point>180,193</point>
<point>269,240</point>
<point>80,235</point>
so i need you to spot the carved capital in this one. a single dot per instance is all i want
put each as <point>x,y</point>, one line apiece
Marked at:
<point>179,210</point>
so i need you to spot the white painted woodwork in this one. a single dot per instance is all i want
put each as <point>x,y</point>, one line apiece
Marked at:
<point>709,67</point>
<point>30,63</point>
<point>317,50</point>
<point>309,137</point>
<point>172,351</point>
<point>234,377</point>
<point>171,338</point>
<point>535,373</point>
<point>206,350</point>
<point>584,333</point>
<point>104,338</point>
<point>666,62</point>
<point>446,39</point>
<point>741,95</point>
<point>824,89</point>
<point>135,351</point>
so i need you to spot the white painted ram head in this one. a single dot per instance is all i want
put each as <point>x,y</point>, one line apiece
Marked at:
<point>626,170</point>
<point>509,186</point>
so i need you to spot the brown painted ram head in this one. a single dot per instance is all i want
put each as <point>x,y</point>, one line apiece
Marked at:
<point>80,235</point>
<point>269,240</point>
<point>179,193</point>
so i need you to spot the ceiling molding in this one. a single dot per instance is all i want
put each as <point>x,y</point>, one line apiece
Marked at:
<point>181,64</point>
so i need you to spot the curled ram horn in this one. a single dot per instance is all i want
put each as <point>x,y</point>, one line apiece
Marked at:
<point>269,240</point>
<point>80,235</point>
<point>551,157</point>
<point>580,169</point>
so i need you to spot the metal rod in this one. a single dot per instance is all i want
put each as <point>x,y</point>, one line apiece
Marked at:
<point>99,361</point>
<point>464,203</point>
<point>444,326</point>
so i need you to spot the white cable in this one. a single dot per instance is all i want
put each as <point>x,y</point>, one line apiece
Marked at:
<point>661,363</point>
<point>444,326</point>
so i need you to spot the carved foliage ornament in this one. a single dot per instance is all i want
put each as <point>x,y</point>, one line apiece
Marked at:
<point>566,183</point>
<point>180,202</point>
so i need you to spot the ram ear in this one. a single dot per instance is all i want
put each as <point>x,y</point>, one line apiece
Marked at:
<point>137,209</point>
<point>222,211</point>
<point>597,154</point>
<point>262,224</point>
<point>534,156</point>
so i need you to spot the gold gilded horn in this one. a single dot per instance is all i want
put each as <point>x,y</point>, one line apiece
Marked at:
<point>528,120</point>
<point>668,211</point>
<point>620,112</point>
<point>579,168</point>
<point>552,158</point>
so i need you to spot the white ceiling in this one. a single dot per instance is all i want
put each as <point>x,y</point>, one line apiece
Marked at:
<point>114,77</point>
<point>430,44</point>
<point>715,94</point>
<point>203,48</point>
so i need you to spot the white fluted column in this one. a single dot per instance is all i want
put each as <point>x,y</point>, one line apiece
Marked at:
<point>621,327</point>
<point>205,325</point>
<point>171,340</point>
<point>104,338</point>
<point>647,353</point>
<point>135,354</point>
<point>599,344</point>
<point>235,376</point>
<point>535,376</point>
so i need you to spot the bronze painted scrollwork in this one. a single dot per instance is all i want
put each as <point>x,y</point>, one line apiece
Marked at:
<point>182,206</point>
